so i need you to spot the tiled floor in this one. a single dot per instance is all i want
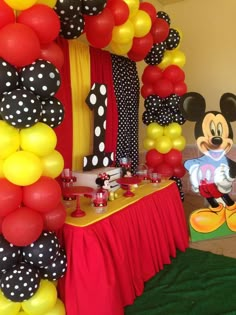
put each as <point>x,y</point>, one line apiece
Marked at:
<point>222,246</point>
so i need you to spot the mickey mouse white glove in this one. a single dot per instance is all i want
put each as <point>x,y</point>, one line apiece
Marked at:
<point>222,179</point>
<point>193,171</point>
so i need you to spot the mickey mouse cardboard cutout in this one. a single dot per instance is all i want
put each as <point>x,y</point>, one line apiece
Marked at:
<point>213,173</point>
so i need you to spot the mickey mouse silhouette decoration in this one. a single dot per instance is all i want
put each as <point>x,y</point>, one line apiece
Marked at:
<point>212,174</point>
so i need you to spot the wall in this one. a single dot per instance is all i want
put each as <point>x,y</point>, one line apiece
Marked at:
<point>209,43</point>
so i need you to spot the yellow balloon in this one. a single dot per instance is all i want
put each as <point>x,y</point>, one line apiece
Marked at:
<point>121,49</point>
<point>39,139</point>
<point>178,58</point>
<point>20,5</point>
<point>22,168</point>
<point>142,23</point>
<point>22,313</point>
<point>148,144</point>
<point>179,143</point>
<point>52,164</point>
<point>173,130</point>
<point>8,307</point>
<point>9,139</point>
<point>58,309</point>
<point>1,171</point>
<point>163,144</point>
<point>166,60</point>
<point>133,6</point>
<point>49,3</point>
<point>42,301</point>
<point>123,33</point>
<point>154,130</point>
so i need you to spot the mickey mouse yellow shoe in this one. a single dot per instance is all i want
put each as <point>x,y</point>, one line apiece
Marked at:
<point>208,220</point>
<point>230,212</point>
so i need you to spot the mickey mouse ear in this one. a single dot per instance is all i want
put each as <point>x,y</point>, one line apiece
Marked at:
<point>192,106</point>
<point>228,106</point>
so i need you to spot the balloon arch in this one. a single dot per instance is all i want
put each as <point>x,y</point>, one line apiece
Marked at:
<point>31,210</point>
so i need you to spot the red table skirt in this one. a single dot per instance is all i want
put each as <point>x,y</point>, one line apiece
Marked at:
<point>109,261</point>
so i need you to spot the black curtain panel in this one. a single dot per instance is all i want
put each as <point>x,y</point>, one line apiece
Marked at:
<point>126,86</point>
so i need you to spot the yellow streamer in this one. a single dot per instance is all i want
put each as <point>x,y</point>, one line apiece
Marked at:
<point>82,115</point>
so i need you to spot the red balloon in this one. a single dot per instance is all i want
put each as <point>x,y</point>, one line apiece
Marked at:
<point>98,28</point>
<point>20,38</point>
<point>165,169</point>
<point>163,88</point>
<point>146,90</point>
<point>173,157</point>
<point>160,30</point>
<point>180,88</point>
<point>22,226</point>
<point>140,47</point>
<point>52,52</point>
<point>179,171</point>
<point>154,158</point>
<point>7,14</point>
<point>174,73</point>
<point>43,20</point>
<point>151,74</point>
<point>44,195</point>
<point>1,219</point>
<point>54,219</point>
<point>149,9</point>
<point>119,10</point>
<point>10,197</point>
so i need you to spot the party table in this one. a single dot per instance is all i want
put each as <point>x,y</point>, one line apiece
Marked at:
<point>111,255</point>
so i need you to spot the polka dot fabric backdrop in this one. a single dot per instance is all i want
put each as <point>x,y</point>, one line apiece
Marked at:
<point>126,86</point>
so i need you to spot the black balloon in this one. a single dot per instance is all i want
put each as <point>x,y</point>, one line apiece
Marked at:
<point>148,117</point>
<point>72,28</point>
<point>9,77</point>
<point>93,7</point>
<point>43,251</point>
<point>42,78</point>
<point>56,269</point>
<point>21,109</point>
<point>9,254</point>
<point>20,283</point>
<point>53,112</point>
<point>155,55</point>
<point>173,39</point>
<point>153,103</point>
<point>163,15</point>
<point>68,9</point>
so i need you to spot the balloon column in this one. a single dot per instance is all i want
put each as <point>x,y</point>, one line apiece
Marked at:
<point>163,85</point>
<point>31,211</point>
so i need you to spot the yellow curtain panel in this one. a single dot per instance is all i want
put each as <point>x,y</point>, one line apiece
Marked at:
<point>82,115</point>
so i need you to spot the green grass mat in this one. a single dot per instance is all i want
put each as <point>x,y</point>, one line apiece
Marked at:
<point>195,283</point>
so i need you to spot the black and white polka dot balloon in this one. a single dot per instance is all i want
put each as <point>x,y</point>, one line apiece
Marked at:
<point>155,55</point>
<point>43,251</point>
<point>163,15</point>
<point>73,28</point>
<point>173,39</point>
<point>52,112</point>
<point>56,269</point>
<point>93,7</point>
<point>20,108</point>
<point>148,117</point>
<point>20,283</point>
<point>9,254</point>
<point>9,77</point>
<point>68,9</point>
<point>41,77</point>
<point>153,103</point>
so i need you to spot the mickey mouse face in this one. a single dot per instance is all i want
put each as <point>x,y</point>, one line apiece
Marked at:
<point>215,136</point>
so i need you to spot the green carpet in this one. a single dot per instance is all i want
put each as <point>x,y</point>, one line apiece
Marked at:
<point>195,283</point>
